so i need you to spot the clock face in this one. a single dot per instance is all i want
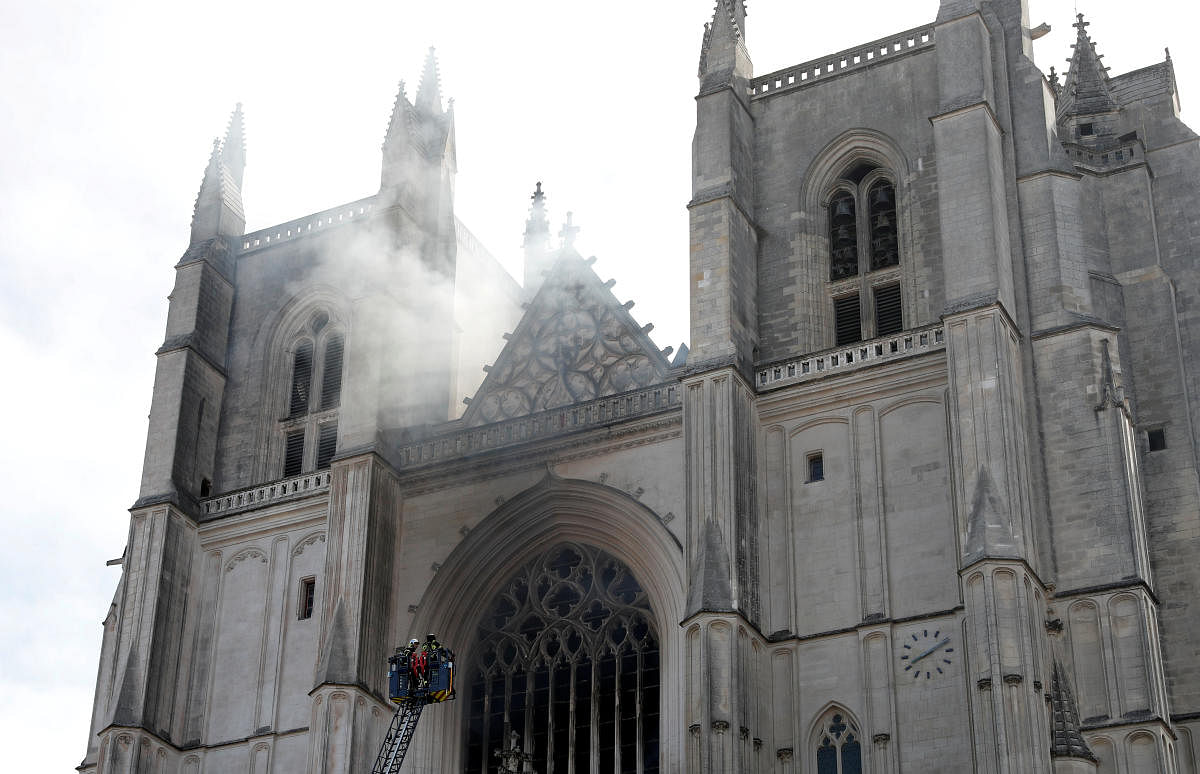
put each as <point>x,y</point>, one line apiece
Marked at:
<point>927,654</point>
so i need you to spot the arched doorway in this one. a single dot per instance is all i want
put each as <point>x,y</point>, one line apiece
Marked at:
<point>566,669</point>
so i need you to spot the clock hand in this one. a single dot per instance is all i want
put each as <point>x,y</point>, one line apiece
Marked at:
<point>931,650</point>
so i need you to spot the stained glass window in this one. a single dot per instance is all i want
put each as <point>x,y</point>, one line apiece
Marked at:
<point>567,676</point>
<point>838,748</point>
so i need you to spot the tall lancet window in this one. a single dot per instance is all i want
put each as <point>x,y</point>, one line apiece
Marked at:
<point>884,250</point>
<point>864,256</point>
<point>567,673</point>
<point>309,429</point>
<point>843,237</point>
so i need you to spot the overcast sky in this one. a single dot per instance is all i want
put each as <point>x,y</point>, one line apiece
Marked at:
<point>109,112</point>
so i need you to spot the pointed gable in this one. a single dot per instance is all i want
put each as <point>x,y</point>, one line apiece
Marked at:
<point>575,343</point>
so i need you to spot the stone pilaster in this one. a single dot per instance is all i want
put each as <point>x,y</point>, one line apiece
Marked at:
<point>1006,667</point>
<point>348,725</point>
<point>151,615</point>
<point>722,725</point>
<point>364,524</point>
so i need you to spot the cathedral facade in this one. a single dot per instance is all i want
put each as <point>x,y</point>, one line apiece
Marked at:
<point>922,496</point>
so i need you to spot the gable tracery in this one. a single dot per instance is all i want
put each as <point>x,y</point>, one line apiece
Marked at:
<point>574,344</point>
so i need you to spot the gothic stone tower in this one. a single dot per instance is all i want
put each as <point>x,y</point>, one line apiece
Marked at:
<point>939,338</point>
<point>260,546</point>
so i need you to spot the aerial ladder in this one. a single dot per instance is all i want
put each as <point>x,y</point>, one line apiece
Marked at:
<point>418,675</point>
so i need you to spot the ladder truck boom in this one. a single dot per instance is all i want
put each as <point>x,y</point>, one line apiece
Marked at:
<point>421,673</point>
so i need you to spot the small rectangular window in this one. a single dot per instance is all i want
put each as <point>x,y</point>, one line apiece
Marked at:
<point>293,454</point>
<point>1086,130</point>
<point>326,445</point>
<point>816,467</point>
<point>308,596</point>
<point>846,325</point>
<point>888,316</point>
<point>1157,439</point>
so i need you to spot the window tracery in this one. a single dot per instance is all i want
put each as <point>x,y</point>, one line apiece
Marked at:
<point>568,669</point>
<point>837,746</point>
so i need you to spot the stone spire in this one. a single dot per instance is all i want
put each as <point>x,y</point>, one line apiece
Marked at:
<point>233,149</point>
<point>537,242</point>
<point>429,92</point>
<point>1066,739</point>
<point>1087,90</point>
<point>218,210</point>
<point>400,125</point>
<point>418,149</point>
<point>723,50</point>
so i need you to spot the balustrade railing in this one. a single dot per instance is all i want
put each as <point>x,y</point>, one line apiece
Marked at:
<point>276,491</point>
<point>843,61</point>
<point>863,353</point>
<point>308,224</point>
<point>544,424</point>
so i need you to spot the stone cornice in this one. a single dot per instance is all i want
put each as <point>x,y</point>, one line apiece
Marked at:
<point>1125,584</point>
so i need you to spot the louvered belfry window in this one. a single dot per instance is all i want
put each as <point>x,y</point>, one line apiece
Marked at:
<point>293,453</point>
<point>567,676</point>
<point>331,375</point>
<point>326,445</point>
<point>302,365</point>
<point>888,314</point>
<point>847,322</point>
<point>864,256</point>
<point>317,364</point>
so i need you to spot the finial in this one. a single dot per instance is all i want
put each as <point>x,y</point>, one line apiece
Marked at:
<point>568,232</point>
<point>537,227</point>
<point>1053,77</point>
<point>1167,51</point>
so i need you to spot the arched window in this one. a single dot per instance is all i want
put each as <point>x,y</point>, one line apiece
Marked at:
<point>309,432</point>
<point>837,744</point>
<point>567,672</point>
<point>864,256</point>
